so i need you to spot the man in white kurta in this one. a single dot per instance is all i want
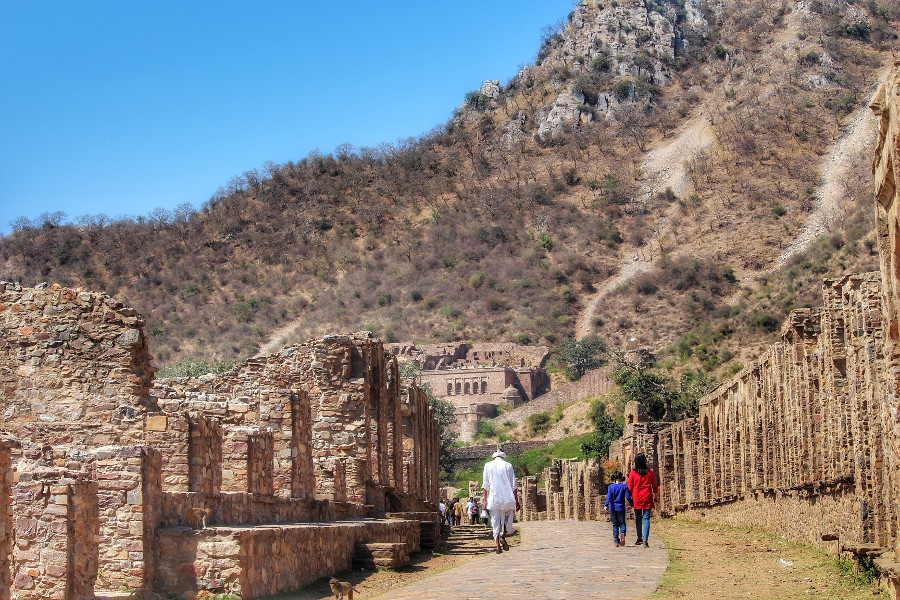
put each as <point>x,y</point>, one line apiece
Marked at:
<point>501,497</point>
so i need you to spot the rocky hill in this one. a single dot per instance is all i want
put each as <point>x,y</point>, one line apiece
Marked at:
<point>640,180</point>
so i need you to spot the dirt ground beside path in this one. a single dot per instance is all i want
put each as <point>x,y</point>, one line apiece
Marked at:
<point>715,563</point>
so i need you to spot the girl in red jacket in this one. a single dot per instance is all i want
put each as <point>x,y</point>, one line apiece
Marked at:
<point>644,488</point>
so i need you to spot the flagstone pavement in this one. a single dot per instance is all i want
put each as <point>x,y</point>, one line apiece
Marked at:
<point>556,560</point>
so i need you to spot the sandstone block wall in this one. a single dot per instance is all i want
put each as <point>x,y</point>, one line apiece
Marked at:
<point>240,561</point>
<point>572,490</point>
<point>797,437</point>
<point>74,367</point>
<point>318,432</point>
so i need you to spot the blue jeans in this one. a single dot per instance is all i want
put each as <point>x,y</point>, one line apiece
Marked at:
<point>618,522</point>
<point>642,514</point>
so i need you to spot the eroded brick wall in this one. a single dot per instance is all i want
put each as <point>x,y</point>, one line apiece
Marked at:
<point>255,446</point>
<point>572,490</point>
<point>6,529</point>
<point>796,441</point>
<point>74,367</point>
<point>886,168</point>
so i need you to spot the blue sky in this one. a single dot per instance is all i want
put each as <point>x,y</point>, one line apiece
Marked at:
<point>120,107</point>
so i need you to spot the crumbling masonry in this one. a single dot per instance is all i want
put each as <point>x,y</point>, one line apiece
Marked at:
<point>806,440</point>
<point>303,454</point>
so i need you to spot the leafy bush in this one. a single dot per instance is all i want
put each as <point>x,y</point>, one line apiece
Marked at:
<point>623,89</point>
<point>193,368</point>
<point>538,423</point>
<point>601,63</point>
<point>486,429</point>
<point>766,322</point>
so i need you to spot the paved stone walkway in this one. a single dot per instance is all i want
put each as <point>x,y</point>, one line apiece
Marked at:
<point>556,560</point>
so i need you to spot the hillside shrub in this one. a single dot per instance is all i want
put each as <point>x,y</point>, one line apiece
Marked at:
<point>538,423</point>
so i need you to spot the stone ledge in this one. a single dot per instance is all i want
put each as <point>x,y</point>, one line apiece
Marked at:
<point>238,559</point>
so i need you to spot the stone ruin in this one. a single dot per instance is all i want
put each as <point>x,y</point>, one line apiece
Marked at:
<point>478,378</point>
<point>804,441</point>
<point>572,490</point>
<point>312,455</point>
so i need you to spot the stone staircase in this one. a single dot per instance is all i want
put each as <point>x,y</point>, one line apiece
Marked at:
<point>460,534</point>
<point>371,555</point>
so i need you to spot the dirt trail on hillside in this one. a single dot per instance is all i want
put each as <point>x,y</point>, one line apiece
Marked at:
<point>858,136</point>
<point>277,338</point>
<point>663,168</point>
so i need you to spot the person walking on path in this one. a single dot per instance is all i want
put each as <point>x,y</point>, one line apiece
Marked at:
<point>644,488</point>
<point>501,497</point>
<point>451,512</point>
<point>443,508</point>
<point>616,496</point>
<point>460,510</point>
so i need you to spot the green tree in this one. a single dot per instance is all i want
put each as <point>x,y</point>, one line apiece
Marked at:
<point>650,389</point>
<point>411,369</point>
<point>692,385</point>
<point>606,431</point>
<point>577,357</point>
<point>443,412</point>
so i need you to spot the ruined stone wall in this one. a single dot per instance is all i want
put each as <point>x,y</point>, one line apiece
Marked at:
<point>572,490</point>
<point>6,530</point>
<point>796,441</point>
<point>317,432</point>
<point>594,382</point>
<point>886,168</point>
<point>74,367</point>
<point>469,457</point>
<point>253,562</point>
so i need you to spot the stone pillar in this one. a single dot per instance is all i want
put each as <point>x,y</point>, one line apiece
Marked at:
<point>340,481</point>
<point>395,426</point>
<point>84,539</point>
<point>205,456</point>
<point>235,459</point>
<point>6,532</point>
<point>303,479</point>
<point>261,463</point>
<point>357,475</point>
<point>170,434</point>
<point>56,538</point>
<point>129,496</point>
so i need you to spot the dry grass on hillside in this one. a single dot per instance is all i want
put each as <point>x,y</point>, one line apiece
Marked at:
<point>463,234</point>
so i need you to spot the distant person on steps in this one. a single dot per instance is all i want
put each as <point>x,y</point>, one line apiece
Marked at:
<point>644,488</point>
<point>501,497</point>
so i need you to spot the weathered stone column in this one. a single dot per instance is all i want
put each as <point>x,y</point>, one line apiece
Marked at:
<point>261,463</point>
<point>6,533</point>
<point>205,456</point>
<point>55,535</point>
<point>303,479</point>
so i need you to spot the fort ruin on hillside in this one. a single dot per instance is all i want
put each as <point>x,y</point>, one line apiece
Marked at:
<point>309,454</point>
<point>479,378</point>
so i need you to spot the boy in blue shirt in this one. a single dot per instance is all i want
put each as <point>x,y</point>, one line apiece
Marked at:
<point>616,496</point>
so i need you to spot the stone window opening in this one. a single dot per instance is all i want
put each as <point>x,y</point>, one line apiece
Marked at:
<point>458,387</point>
<point>468,388</point>
<point>449,389</point>
<point>484,387</point>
